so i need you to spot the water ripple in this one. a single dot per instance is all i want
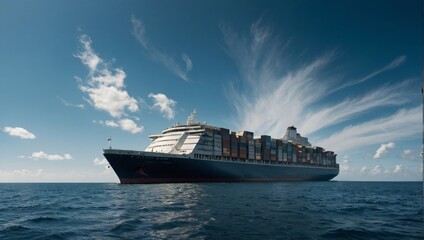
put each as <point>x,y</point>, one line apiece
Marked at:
<point>328,210</point>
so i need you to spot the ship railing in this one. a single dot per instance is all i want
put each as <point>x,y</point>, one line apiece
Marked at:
<point>262,162</point>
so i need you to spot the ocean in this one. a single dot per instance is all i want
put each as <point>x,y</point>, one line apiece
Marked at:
<point>277,210</point>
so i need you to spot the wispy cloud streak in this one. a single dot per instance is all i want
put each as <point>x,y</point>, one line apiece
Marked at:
<point>402,124</point>
<point>71,104</point>
<point>268,100</point>
<point>394,64</point>
<point>139,31</point>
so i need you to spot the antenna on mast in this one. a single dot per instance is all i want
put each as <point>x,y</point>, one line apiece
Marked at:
<point>110,142</point>
<point>192,118</point>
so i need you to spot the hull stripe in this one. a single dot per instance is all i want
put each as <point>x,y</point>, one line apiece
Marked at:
<point>196,180</point>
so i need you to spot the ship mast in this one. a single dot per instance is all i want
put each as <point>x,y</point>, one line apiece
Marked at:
<point>192,118</point>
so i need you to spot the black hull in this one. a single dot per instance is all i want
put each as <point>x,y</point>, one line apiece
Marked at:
<point>143,167</point>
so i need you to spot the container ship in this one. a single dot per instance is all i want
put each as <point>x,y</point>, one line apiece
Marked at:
<point>198,152</point>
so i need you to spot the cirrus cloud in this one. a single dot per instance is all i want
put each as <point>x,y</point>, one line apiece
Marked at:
<point>139,32</point>
<point>270,96</point>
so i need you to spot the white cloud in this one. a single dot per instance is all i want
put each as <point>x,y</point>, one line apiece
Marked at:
<point>404,123</point>
<point>139,31</point>
<point>350,108</point>
<point>19,132</point>
<point>364,170</point>
<point>129,126</point>
<point>164,104</point>
<point>111,123</point>
<point>399,169</point>
<point>383,150</point>
<point>345,165</point>
<point>20,173</point>
<point>376,170</point>
<point>105,87</point>
<point>407,151</point>
<point>72,105</point>
<point>408,154</point>
<point>100,162</point>
<point>189,63</point>
<point>87,55</point>
<point>110,99</point>
<point>51,157</point>
<point>270,98</point>
<point>394,64</point>
<point>125,124</point>
<point>105,164</point>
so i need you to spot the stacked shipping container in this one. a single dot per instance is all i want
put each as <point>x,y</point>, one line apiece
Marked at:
<point>242,145</point>
<point>265,147</point>
<point>250,146</point>
<point>258,150</point>
<point>242,138</point>
<point>234,146</point>
<point>273,152</point>
<point>225,142</point>
<point>279,150</point>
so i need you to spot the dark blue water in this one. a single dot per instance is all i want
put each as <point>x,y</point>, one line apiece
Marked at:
<point>306,210</point>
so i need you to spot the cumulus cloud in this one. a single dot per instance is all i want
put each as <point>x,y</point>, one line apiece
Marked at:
<point>383,150</point>
<point>19,132</point>
<point>376,170</point>
<point>125,124</point>
<point>103,163</point>
<point>51,157</point>
<point>164,104</point>
<point>110,123</point>
<point>129,126</point>
<point>399,169</point>
<point>105,87</point>
<point>271,96</point>
<point>20,173</point>
<point>100,162</point>
<point>87,55</point>
<point>139,31</point>
<point>408,154</point>
<point>345,165</point>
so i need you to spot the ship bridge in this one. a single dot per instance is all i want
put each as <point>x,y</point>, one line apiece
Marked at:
<point>191,137</point>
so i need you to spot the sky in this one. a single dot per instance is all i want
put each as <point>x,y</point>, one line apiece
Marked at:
<point>347,74</point>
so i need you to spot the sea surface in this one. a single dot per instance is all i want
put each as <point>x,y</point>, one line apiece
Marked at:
<point>294,210</point>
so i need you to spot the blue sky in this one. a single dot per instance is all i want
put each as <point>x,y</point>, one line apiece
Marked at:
<point>347,74</point>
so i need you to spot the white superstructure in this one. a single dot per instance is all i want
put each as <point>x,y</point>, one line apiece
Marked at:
<point>192,137</point>
<point>294,137</point>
